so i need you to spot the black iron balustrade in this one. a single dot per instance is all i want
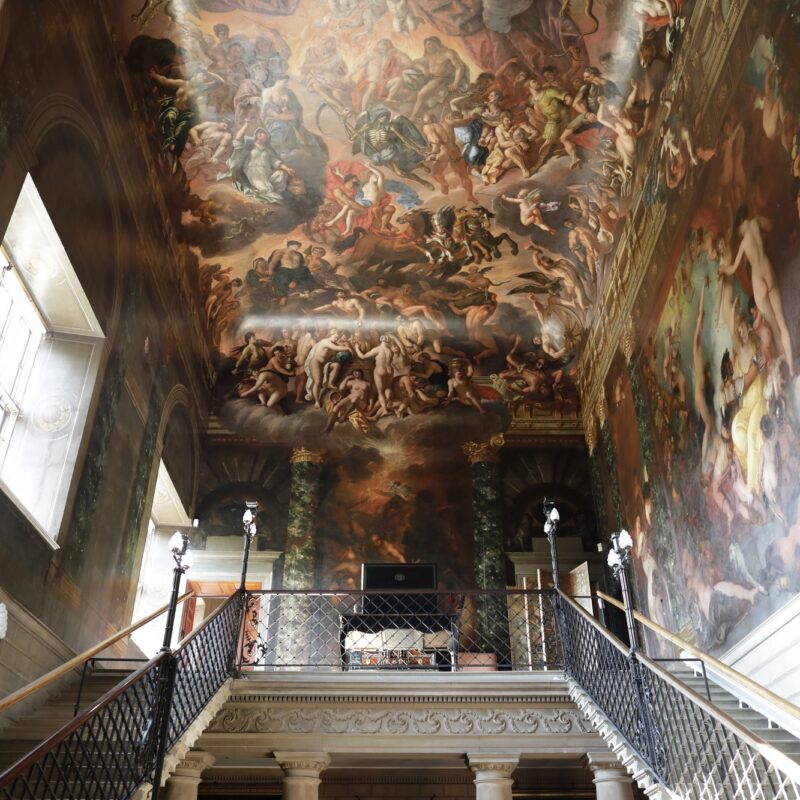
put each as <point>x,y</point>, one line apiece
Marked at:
<point>203,662</point>
<point>108,750</point>
<point>413,630</point>
<point>690,746</point>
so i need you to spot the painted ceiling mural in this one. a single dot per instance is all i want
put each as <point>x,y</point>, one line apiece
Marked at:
<point>402,210</point>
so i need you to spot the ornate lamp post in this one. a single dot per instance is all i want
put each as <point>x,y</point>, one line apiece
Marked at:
<point>619,557</point>
<point>650,740</point>
<point>551,528</point>
<point>179,547</point>
<point>249,530</point>
<point>182,556</point>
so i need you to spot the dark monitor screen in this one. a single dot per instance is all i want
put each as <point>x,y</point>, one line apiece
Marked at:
<point>398,578</point>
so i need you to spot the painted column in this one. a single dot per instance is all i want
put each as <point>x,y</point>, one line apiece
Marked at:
<point>295,647</point>
<point>595,473</point>
<point>298,565</point>
<point>183,783</point>
<point>610,777</point>
<point>493,772</point>
<point>301,774</point>
<point>490,559</point>
<point>607,443</point>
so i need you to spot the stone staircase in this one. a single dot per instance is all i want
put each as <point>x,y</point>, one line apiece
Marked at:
<point>30,730</point>
<point>756,723</point>
<point>753,721</point>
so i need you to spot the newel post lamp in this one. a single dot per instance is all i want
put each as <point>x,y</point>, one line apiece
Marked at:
<point>182,556</point>
<point>618,559</point>
<point>249,530</point>
<point>551,518</point>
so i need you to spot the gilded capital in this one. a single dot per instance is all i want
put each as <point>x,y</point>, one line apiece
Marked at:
<point>627,340</point>
<point>590,431</point>
<point>480,452</point>
<point>301,455</point>
<point>601,408</point>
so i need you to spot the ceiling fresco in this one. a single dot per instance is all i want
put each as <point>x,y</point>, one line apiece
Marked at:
<point>403,211</point>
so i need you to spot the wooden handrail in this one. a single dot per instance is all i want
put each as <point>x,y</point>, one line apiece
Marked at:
<point>729,672</point>
<point>19,767</point>
<point>77,661</point>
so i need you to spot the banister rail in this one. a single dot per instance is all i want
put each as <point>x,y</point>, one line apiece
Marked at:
<point>762,747</point>
<point>688,744</point>
<point>77,661</point>
<point>729,672</point>
<point>117,743</point>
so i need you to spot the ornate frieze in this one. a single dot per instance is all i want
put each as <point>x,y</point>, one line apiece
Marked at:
<point>394,721</point>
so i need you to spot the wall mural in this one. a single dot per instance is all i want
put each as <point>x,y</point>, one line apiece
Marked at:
<point>718,375</point>
<point>400,208</point>
<point>386,503</point>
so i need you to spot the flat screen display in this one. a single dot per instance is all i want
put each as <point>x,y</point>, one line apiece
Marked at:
<point>398,578</point>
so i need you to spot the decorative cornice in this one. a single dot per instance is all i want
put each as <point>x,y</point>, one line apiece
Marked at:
<point>560,699</point>
<point>302,455</point>
<point>397,722</point>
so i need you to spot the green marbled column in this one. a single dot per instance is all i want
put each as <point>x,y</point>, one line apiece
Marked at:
<point>298,565</point>
<point>297,647</point>
<point>663,530</point>
<point>600,510</point>
<point>490,561</point>
<point>487,524</point>
<point>613,476</point>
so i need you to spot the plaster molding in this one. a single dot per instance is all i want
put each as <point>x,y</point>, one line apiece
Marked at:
<point>180,751</point>
<point>301,719</point>
<point>559,699</point>
<point>624,755</point>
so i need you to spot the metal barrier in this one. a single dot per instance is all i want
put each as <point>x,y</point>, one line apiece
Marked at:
<point>118,743</point>
<point>106,751</point>
<point>414,630</point>
<point>690,745</point>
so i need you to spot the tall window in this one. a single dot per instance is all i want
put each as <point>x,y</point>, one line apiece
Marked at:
<point>50,349</point>
<point>21,332</point>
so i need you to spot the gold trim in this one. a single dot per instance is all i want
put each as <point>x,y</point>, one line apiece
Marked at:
<point>302,455</point>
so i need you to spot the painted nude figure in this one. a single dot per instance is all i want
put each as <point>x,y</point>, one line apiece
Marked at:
<point>766,292</point>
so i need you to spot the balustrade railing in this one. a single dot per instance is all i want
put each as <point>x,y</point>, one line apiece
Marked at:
<point>118,743</point>
<point>414,630</point>
<point>690,745</point>
<point>106,751</point>
<point>114,745</point>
